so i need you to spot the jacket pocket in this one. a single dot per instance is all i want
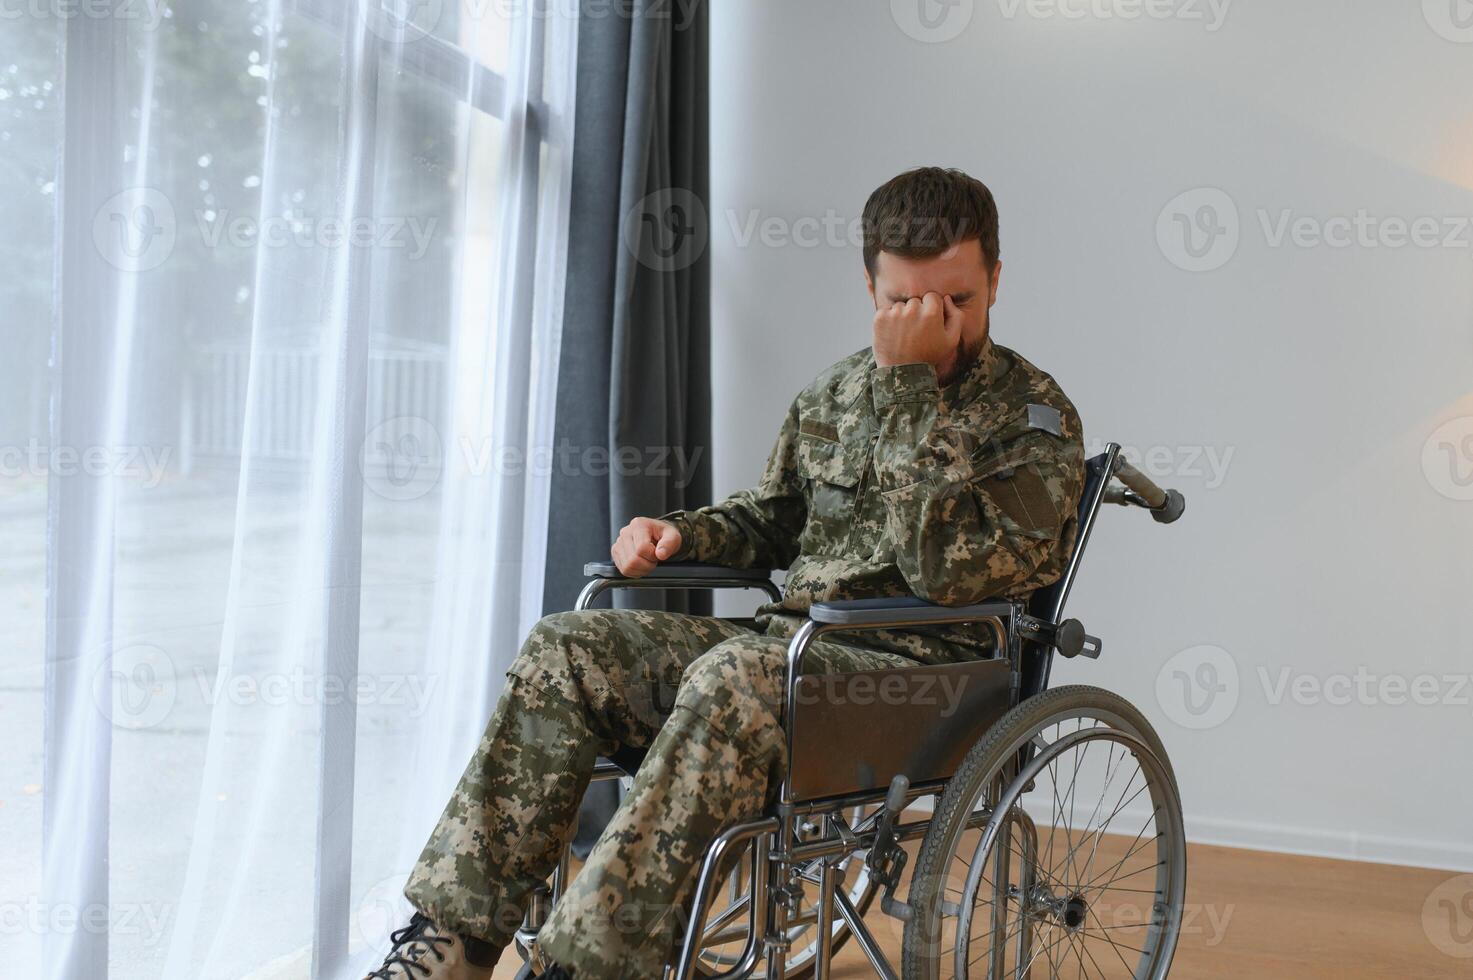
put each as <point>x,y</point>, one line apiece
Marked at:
<point>832,476</point>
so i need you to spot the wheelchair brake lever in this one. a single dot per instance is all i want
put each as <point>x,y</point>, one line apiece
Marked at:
<point>886,859</point>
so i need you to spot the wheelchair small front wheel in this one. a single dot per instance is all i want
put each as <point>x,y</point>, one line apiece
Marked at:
<point>1056,850</point>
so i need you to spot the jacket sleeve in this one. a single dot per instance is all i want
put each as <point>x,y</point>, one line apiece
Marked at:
<point>756,528</point>
<point>971,522</point>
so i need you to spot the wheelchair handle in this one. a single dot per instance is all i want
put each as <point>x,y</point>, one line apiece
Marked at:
<point>1140,490</point>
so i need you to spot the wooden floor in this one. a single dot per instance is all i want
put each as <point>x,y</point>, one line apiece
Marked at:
<point>1261,916</point>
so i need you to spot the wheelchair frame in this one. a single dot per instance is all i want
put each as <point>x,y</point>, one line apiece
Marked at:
<point>1027,635</point>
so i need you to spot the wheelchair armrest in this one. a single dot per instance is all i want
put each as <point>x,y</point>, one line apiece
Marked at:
<point>681,569</point>
<point>901,611</point>
<point>605,575</point>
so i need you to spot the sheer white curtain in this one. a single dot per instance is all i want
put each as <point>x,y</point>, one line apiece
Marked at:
<point>282,356</point>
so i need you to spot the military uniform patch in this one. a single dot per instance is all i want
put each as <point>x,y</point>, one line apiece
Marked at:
<point>1047,418</point>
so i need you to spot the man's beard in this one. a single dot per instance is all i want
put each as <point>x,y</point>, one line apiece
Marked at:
<point>966,356</point>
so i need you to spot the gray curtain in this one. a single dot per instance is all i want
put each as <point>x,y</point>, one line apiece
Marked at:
<point>634,394</point>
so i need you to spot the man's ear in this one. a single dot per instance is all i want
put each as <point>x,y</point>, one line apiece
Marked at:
<point>869,283</point>
<point>996,277</point>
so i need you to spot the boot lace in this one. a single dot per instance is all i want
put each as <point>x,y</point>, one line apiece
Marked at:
<point>411,945</point>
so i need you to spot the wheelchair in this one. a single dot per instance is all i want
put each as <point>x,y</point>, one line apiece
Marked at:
<point>1053,844</point>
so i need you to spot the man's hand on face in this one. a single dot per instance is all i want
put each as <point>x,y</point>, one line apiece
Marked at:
<point>925,330</point>
<point>642,544</point>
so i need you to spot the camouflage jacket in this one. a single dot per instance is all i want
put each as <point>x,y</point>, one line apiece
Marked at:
<point>883,484</point>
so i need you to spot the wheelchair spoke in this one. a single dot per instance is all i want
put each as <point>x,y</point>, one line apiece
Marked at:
<point>1085,949</point>
<point>1088,853</point>
<point>713,929</point>
<point>1116,946</point>
<point>1082,860</point>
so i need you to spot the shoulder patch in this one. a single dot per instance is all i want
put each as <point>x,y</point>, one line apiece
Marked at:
<point>1046,418</point>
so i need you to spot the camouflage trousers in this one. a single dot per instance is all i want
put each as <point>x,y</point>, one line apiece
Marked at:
<point>703,695</point>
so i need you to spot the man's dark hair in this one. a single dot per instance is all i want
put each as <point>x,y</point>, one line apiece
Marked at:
<point>925,211</point>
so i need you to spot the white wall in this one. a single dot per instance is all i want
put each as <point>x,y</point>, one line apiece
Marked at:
<point>1331,541</point>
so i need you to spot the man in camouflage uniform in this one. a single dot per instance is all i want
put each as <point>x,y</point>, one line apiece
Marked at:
<point>934,463</point>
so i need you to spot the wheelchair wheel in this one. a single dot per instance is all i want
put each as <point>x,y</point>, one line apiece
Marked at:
<point>727,928</point>
<point>1056,850</point>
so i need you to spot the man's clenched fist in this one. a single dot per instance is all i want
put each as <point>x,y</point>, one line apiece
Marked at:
<point>642,544</point>
<point>927,330</point>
